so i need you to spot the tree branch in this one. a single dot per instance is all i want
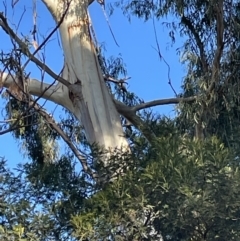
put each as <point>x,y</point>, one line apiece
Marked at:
<point>199,43</point>
<point>161,57</point>
<point>81,157</point>
<point>49,36</point>
<point>24,48</point>
<point>15,127</point>
<point>163,102</point>
<point>59,94</point>
<point>56,93</point>
<point>220,45</point>
<point>130,115</point>
<point>49,119</point>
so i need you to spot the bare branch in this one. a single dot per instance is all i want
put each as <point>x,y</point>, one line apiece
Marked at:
<point>25,51</point>
<point>163,102</point>
<point>15,127</point>
<point>120,81</point>
<point>108,23</point>
<point>161,57</point>
<point>130,113</point>
<point>56,93</point>
<point>48,37</point>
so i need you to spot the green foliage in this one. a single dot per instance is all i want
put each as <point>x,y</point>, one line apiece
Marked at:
<point>38,138</point>
<point>19,218</point>
<point>220,111</point>
<point>177,189</point>
<point>39,207</point>
<point>185,191</point>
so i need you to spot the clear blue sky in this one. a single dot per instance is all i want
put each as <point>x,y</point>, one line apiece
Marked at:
<point>149,75</point>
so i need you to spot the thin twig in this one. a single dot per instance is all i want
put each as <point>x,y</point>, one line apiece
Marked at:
<point>49,36</point>
<point>161,57</point>
<point>25,51</point>
<point>108,23</point>
<point>14,127</point>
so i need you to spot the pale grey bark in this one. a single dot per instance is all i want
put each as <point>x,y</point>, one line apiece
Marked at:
<point>91,101</point>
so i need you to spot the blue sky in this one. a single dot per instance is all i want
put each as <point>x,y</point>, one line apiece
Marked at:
<point>149,75</point>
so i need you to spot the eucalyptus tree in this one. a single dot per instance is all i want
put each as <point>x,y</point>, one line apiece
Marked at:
<point>81,87</point>
<point>174,188</point>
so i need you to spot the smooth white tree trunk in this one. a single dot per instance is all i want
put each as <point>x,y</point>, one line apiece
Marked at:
<point>91,101</point>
